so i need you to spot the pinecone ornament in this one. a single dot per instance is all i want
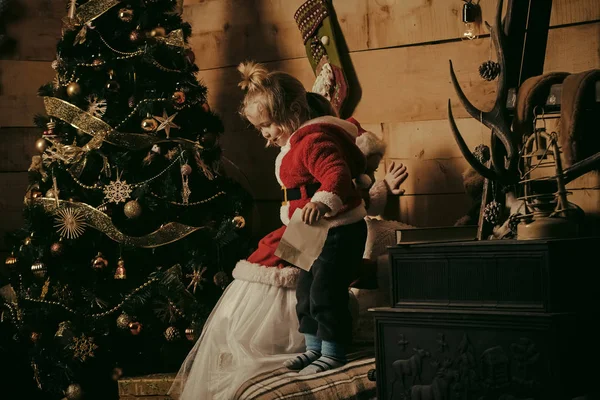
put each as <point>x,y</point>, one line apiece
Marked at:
<point>482,153</point>
<point>513,222</point>
<point>172,333</point>
<point>489,70</point>
<point>491,212</point>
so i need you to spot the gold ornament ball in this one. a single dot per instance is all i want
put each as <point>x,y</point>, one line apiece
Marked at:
<point>11,260</point>
<point>149,124</point>
<point>221,279</point>
<point>35,336</point>
<point>117,373</point>
<point>38,269</point>
<point>41,145</point>
<point>178,97</point>
<point>239,222</point>
<point>135,328</point>
<point>186,169</point>
<point>73,89</point>
<point>51,194</point>
<point>112,86</point>
<point>132,209</point>
<point>99,262</point>
<point>123,321</point>
<point>56,249</point>
<point>159,31</point>
<point>97,63</point>
<point>74,392</point>
<point>191,334</point>
<point>27,240</point>
<point>126,14</point>
<point>135,36</point>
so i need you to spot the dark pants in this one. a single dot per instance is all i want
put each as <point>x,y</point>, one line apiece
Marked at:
<point>322,292</point>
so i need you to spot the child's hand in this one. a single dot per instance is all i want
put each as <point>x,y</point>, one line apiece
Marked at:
<point>395,176</point>
<point>314,211</point>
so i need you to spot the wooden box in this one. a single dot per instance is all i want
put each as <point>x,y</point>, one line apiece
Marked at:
<point>481,355</point>
<point>147,387</point>
<point>532,275</point>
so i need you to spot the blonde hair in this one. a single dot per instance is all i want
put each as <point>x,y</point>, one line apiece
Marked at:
<point>281,95</point>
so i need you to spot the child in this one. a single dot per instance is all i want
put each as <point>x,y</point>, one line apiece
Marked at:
<point>254,327</point>
<point>316,166</point>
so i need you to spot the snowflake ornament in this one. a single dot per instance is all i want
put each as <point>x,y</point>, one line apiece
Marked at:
<point>96,106</point>
<point>83,347</point>
<point>117,191</point>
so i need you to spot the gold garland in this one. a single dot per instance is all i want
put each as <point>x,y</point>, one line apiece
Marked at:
<point>174,38</point>
<point>98,315</point>
<point>168,233</point>
<point>100,130</point>
<point>93,9</point>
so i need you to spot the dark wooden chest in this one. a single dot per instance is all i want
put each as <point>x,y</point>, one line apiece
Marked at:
<point>490,320</point>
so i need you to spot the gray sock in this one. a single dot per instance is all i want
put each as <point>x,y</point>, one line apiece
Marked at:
<point>303,360</point>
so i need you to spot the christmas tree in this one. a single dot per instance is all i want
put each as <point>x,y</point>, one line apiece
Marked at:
<point>132,227</point>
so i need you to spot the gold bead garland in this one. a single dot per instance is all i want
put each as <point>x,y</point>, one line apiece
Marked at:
<point>194,203</point>
<point>98,315</point>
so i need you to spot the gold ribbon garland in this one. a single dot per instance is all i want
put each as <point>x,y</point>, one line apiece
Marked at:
<point>168,233</point>
<point>174,38</point>
<point>100,130</point>
<point>93,9</point>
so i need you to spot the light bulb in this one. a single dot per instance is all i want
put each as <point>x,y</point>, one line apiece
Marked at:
<point>470,31</point>
<point>470,14</point>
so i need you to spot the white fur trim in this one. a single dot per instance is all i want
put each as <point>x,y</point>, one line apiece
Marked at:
<point>348,126</point>
<point>349,217</point>
<point>284,214</point>
<point>377,198</point>
<point>369,144</point>
<point>331,200</point>
<point>363,181</point>
<point>284,150</point>
<point>281,277</point>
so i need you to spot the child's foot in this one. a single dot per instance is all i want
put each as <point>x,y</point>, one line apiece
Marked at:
<point>324,363</point>
<point>303,360</point>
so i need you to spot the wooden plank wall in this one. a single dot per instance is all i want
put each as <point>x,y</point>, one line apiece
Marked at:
<point>399,51</point>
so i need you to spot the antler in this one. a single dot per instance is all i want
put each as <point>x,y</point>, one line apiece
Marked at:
<point>496,119</point>
<point>581,167</point>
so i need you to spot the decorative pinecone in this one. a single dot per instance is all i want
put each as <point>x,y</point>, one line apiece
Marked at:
<point>123,321</point>
<point>513,221</point>
<point>172,334</point>
<point>491,212</point>
<point>221,279</point>
<point>482,153</point>
<point>489,70</point>
<point>372,375</point>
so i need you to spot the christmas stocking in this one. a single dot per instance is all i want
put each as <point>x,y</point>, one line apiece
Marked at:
<point>314,21</point>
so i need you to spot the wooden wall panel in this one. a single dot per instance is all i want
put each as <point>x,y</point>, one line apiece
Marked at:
<point>19,83</point>
<point>12,192</point>
<point>433,209</point>
<point>35,27</point>
<point>573,49</point>
<point>17,146</point>
<point>229,31</point>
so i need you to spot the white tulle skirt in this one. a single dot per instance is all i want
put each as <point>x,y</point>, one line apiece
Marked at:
<point>252,329</point>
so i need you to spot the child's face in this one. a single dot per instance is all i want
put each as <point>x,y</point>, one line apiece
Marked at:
<point>275,134</point>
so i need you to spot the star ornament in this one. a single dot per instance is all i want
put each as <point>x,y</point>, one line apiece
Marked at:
<point>197,277</point>
<point>166,123</point>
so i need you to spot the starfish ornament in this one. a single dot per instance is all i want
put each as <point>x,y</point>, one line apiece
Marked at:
<point>166,122</point>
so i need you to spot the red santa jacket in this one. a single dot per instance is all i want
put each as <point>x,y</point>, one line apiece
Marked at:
<point>323,151</point>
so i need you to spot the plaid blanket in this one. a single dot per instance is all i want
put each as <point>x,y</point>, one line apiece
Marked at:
<point>345,383</point>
